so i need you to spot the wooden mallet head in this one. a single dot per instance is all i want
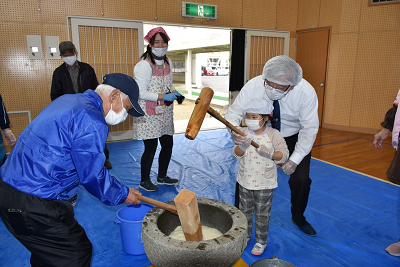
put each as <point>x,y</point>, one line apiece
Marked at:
<point>199,112</point>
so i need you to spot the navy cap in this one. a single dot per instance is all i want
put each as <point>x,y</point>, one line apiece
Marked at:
<point>127,85</point>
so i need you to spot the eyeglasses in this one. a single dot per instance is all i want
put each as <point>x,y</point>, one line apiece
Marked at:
<point>276,86</point>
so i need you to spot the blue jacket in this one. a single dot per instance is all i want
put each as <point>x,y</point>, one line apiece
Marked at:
<point>62,148</point>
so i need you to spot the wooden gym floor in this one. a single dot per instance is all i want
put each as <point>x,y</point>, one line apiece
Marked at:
<point>353,151</point>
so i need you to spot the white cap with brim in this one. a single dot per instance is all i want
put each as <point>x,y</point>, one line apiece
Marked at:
<point>128,86</point>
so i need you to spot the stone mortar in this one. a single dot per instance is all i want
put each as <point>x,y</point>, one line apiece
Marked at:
<point>225,250</point>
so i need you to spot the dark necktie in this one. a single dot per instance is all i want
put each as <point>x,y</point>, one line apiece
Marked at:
<point>276,114</point>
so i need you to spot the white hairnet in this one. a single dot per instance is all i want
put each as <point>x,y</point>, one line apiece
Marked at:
<point>259,106</point>
<point>282,70</point>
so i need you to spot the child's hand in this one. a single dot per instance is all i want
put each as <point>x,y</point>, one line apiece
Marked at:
<point>265,152</point>
<point>237,138</point>
<point>246,143</point>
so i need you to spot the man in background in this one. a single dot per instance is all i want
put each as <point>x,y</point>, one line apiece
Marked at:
<point>74,77</point>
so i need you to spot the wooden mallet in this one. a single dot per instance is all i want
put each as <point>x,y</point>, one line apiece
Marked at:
<point>199,112</point>
<point>168,207</point>
<point>187,210</point>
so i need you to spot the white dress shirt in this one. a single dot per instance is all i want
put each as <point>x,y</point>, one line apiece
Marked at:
<point>298,109</point>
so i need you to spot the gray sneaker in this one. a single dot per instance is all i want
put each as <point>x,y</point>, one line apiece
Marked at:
<point>166,180</point>
<point>148,186</point>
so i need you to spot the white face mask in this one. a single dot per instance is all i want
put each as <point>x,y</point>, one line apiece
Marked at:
<point>70,60</point>
<point>275,94</point>
<point>159,52</point>
<point>113,118</point>
<point>254,125</point>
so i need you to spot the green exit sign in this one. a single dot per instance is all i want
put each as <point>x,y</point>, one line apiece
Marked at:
<point>196,10</point>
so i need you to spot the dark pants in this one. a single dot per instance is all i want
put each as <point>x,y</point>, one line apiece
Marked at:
<point>299,183</point>
<point>106,152</point>
<point>47,228</point>
<point>150,147</point>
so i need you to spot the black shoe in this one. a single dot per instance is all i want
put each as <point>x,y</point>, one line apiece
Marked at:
<point>72,200</point>
<point>108,164</point>
<point>307,229</point>
<point>166,180</point>
<point>148,186</point>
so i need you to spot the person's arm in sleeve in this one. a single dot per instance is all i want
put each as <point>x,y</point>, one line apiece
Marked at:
<point>309,125</point>
<point>56,87</point>
<point>236,112</point>
<point>4,120</point>
<point>143,73</point>
<point>94,80</point>
<point>387,125</point>
<point>5,125</point>
<point>88,157</point>
<point>279,144</point>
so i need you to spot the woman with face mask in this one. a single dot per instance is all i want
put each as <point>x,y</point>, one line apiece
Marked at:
<point>257,175</point>
<point>153,74</point>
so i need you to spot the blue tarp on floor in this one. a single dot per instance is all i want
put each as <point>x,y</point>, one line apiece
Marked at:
<point>356,217</point>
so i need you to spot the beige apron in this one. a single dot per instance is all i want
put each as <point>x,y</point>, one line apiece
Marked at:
<point>155,124</point>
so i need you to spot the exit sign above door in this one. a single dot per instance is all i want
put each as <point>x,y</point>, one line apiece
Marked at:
<point>196,10</point>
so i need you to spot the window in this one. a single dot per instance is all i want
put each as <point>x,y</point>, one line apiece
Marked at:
<point>178,67</point>
<point>378,2</point>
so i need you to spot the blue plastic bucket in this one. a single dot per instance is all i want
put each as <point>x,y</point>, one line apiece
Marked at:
<point>130,220</point>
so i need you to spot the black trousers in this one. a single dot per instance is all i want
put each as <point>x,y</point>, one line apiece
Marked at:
<point>299,183</point>
<point>106,152</point>
<point>47,228</point>
<point>150,147</point>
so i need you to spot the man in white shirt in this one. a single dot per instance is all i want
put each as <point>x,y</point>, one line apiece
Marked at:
<point>281,82</point>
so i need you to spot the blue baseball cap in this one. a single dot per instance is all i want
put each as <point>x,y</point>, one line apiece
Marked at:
<point>127,85</point>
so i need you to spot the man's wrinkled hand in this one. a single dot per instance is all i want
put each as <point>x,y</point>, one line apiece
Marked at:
<point>380,137</point>
<point>11,140</point>
<point>132,196</point>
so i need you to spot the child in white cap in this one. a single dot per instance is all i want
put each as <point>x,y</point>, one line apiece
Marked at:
<point>257,175</point>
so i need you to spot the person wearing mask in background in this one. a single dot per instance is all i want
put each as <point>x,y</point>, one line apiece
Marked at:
<point>74,77</point>
<point>59,150</point>
<point>153,73</point>
<point>391,124</point>
<point>257,176</point>
<point>6,131</point>
<point>295,99</point>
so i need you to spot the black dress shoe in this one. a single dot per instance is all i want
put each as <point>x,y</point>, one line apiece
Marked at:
<point>108,164</point>
<point>307,229</point>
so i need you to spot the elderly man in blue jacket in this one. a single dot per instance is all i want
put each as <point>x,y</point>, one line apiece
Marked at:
<point>59,150</point>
